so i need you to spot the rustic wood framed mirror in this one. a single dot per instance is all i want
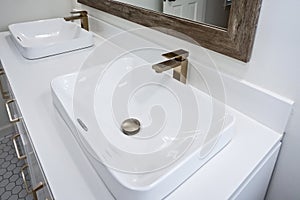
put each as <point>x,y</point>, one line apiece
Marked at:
<point>235,41</point>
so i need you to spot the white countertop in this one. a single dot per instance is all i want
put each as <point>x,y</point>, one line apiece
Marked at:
<point>69,173</point>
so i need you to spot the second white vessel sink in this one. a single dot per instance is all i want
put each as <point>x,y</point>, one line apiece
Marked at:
<point>181,129</point>
<point>48,37</point>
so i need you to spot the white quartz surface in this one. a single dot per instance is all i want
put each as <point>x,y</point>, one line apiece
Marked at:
<point>69,173</point>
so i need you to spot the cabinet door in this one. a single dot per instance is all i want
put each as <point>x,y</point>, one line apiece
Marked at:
<point>39,184</point>
<point>36,182</point>
<point>256,185</point>
<point>4,85</point>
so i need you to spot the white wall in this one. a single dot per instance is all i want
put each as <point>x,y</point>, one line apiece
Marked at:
<point>18,11</point>
<point>274,66</point>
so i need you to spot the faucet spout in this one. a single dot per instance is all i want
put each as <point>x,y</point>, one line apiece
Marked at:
<point>177,61</point>
<point>166,65</point>
<point>82,15</point>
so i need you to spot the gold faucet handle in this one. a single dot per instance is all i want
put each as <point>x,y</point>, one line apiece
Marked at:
<point>81,12</point>
<point>181,54</point>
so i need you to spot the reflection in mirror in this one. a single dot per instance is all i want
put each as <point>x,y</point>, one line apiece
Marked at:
<point>213,12</point>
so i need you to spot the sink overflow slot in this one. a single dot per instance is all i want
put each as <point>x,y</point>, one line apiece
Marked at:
<point>83,126</point>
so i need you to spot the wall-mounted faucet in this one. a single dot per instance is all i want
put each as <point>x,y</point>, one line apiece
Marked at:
<point>82,15</point>
<point>177,61</point>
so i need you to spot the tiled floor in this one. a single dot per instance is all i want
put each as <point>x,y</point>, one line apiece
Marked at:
<point>11,182</point>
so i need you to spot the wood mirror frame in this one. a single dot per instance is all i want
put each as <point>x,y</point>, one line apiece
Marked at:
<point>235,41</point>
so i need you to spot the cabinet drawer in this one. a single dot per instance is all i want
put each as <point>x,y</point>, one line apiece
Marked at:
<point>38,177</point>
<point>12,110</point>
<point>37,185</point>
<point>5,90</point>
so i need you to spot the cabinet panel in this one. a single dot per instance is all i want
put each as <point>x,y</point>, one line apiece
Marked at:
<point>36,182</point>
<point>256,185</point>
<point>4,85</point>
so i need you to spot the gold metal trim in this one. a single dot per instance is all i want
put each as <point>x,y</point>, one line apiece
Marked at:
<point>20,157</point>
<point>5,94</point>
<point>35,189</point>
<point>12,120</point>
<point>177,60</point>
<point>24,178</point>
<point>82,16</point>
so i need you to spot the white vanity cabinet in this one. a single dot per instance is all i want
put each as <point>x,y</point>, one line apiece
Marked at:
<point>36,183</point>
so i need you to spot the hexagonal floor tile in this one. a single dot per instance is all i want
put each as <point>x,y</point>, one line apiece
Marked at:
<point>11,183</point>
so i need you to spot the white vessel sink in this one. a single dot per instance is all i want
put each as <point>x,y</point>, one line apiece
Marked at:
<point>179,126</point>
<point>48,37</point>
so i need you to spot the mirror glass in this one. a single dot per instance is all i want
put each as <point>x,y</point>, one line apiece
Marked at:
<point>213,12</point>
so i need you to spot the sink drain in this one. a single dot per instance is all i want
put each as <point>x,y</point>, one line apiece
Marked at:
<point>130,126</point>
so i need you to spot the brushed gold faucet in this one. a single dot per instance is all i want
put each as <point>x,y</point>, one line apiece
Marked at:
<point>177,61</point>
<point>82,15</point>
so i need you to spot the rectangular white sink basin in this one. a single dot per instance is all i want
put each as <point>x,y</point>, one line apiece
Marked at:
<point>181,128</point>
<point>48,37</point>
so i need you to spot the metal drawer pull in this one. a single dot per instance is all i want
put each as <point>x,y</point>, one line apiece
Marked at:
<point>35,189</point>
<point>24,178</point>
<point>5,94</point>
<point>39,186</point>
<point>16,147</point>
<point>11,119</point>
